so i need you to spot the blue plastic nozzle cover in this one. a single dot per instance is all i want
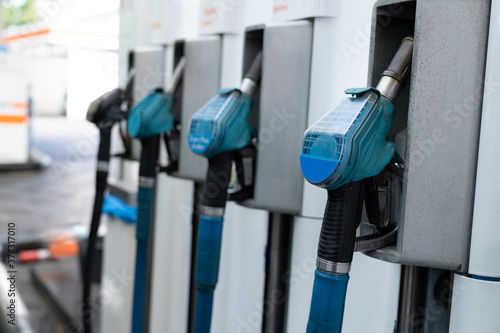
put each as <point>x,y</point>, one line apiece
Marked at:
<point>349,142</point>
<point>221,125</point>
<point>113,206</point>
<point>152,115</point>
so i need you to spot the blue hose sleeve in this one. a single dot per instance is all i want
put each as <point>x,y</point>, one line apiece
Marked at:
<point>327,304</point>
<point>207,270</point>
<point>144,209</point>
<point>204,302</point>
<point>208,252</point>
<point>141,262</point>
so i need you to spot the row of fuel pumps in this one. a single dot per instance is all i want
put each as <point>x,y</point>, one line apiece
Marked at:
<point>232,233</point>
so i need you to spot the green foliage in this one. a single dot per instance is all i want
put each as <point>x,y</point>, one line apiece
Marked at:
<point>19,13</point>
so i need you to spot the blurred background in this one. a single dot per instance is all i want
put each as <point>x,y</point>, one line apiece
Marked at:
<point>55,58</point>
<point>59,49</point>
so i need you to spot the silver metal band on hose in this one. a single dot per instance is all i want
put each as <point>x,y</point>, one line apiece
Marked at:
<point>147,182</point>
<point>248,86</point>
<point>394,79</point>
<point>248,170</point>
<point>339,268</point>
<point>390,88</point>
<point>102,166</point>
<point>212,211</point>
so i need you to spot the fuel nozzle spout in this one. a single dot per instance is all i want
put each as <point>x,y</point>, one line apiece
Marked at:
<point>177,76</point>
<point>252,77</point>
<point>395,77</point>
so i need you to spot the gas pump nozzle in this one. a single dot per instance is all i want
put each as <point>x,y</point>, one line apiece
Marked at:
<point>104,112</point>
<point>172,137</point>
<point>152,116</point>
<point>221,124</point>
<point>217,130</point>
<point>340,151</point>
<point>147,121</point>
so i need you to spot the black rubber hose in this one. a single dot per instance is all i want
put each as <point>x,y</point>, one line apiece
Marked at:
<point>100,185</point>
<point>342,217</point>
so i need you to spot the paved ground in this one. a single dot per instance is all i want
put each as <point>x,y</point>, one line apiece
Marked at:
<point>49,201</point>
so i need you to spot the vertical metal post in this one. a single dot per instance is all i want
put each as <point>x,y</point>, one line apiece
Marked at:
<point>411,313</point>
<point>277,269</point>
<point>195,220</point>
<point>149,274</point>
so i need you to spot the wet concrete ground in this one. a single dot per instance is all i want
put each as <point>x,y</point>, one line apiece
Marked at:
<point>49,201</point>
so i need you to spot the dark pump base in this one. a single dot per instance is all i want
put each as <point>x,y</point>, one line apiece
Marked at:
<point>60,283</point>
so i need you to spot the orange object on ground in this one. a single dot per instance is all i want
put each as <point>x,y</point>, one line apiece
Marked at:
<point>56,249</point>
<point>13,119</point>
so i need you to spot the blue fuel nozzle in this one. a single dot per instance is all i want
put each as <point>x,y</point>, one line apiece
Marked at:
<point>108,109</point>
<point>349,142</point>
<point>216,130</point>
<point>153,116</point>
<point>347,145</point>
<point>221,125</point>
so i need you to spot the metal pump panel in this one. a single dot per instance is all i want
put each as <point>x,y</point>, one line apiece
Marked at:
<point>280,112</point>
<point>200,83</point>
<point>440,112</point>
<point>149,64</point>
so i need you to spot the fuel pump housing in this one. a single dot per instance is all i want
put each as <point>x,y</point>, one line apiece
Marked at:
<point>435,127</point>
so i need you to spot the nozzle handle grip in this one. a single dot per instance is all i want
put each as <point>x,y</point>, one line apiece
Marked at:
<point>103,153</point>
<point>149,156</point>
<point>255,70</point>
<point>342,217</point>
<point>400,65</point>
<point>217,181</point>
